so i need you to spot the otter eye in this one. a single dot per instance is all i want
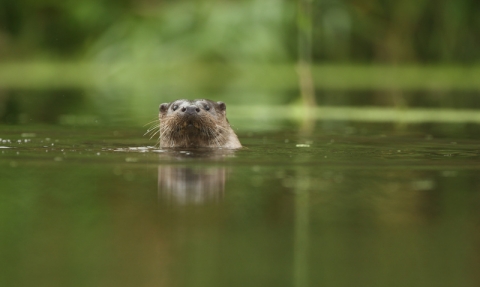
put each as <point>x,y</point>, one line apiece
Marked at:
<point>175,107</point>
<point>207,107</point>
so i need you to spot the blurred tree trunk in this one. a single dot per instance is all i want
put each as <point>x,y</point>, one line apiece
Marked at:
<point>304,26</point>
<point>304,70</point>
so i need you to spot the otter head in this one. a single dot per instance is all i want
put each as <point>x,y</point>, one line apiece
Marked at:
<point>197,123</point>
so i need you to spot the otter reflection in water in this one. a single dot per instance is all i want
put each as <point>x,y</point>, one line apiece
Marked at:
<point>191,184</point>
<point>202,127</point>
<point>196,123</point>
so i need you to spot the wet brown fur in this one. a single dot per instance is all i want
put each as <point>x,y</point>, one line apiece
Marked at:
<point>205,128</point>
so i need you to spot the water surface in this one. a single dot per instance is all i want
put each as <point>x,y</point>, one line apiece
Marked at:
<point>339,204</point>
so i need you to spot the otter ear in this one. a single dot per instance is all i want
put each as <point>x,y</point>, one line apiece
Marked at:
<point>221,106</point>
<point>163,108</point>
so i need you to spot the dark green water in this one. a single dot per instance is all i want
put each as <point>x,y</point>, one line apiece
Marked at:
<point>347,204</point>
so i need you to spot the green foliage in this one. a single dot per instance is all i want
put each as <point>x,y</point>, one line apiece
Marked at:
<point>249,30</point>
<point>197,33</point>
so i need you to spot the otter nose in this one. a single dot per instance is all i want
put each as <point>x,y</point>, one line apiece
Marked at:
<point>191,110</point>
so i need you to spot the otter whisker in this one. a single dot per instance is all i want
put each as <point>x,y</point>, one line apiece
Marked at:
<point>150,131</point>
<point>154,134</point>
<point>152,128</point>
<point>155,120</point>
<point>154,125</point>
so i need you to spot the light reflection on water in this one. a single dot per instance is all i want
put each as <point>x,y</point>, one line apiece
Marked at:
<point>341,209</point>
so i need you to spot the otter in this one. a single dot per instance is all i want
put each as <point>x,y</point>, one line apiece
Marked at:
<point>195,124</point>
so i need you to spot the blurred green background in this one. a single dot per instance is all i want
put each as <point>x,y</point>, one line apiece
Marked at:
<point>362,31</point>
<point>60,59</point>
